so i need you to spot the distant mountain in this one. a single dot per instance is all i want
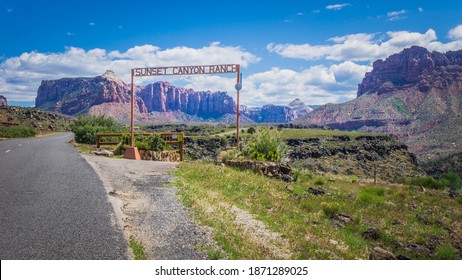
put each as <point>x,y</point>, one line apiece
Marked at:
<point>164,97</point>
<point>276,113</point>
<point>415,94</point>
<point>72,96</point>
<point>158,102</point>
<point>3,101</point>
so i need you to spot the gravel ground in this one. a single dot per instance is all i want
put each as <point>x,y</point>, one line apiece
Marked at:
<point>149,210</point>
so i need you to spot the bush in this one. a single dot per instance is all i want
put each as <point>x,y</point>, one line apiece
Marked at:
<point>426,182</point>
<point>266,145</point>
<point>16,132</point>
<point>142,145</point>
<point>353,178</point>
<point>156,143</point>
<point>451,180</point>
<point>251,130</point>
<point>85,128</point>
<point>319,181</point>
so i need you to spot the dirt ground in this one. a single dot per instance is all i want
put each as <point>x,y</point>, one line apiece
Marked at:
<point>149,210</point>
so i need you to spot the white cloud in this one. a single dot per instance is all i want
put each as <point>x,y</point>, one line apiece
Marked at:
<point>21,76</point>
<point>315,85</point>
<point>420,9</point>
<point>92,24</point>
<point>337,7</point>
<point>70,34</point>
<point>300,14</point>
<point>456,33</point>
<point>368,47</point>
<point>397,15</point>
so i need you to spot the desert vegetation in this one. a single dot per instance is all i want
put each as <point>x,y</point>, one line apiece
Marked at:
<point>16,122</point>
<point>350,195</point>
<point>320,216</point>
<point>16,132</point>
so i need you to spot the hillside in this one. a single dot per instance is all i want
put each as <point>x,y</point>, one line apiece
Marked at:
<point>415,95</point>
<point>316,217</point>
<point>37,119</point>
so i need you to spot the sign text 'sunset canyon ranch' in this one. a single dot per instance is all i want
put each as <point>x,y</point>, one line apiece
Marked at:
<point>186,70</point>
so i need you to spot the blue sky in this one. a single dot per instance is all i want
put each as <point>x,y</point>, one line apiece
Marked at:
<point>315,50</point>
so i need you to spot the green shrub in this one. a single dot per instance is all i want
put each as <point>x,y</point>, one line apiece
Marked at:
<point>85,128</point>
<point>126,139</point>
<point>266,145</point>
<point>142,145</point>
<point>223,142</point>
<point>16,132</point>
<point>451,180</point>
<point>426,182</point>
<point>156,143</point>
<point>319,181</point>
<point>251,130</point>
<point>353,178</point>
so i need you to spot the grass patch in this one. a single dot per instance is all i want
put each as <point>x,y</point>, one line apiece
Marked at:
<point>85,148</point>
<point>426,182</point>
<point>16,132</point>
<point>446,252</point>
<point>401,106</point>
<point>330,208</point>
<point>372,195</point>
<point>137,248</point>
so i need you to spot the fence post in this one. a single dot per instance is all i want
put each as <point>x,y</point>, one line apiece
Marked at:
<point>182,147</point>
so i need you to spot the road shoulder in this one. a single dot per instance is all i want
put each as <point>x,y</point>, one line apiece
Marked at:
<point>149,210</point>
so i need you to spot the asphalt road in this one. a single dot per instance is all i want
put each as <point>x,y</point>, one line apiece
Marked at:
<point>53,205</point>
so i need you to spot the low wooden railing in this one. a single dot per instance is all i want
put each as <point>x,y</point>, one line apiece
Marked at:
<point>171,138</point>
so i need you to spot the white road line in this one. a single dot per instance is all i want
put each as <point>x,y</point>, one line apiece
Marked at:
<point>19,145</point>
<point>7,151</point>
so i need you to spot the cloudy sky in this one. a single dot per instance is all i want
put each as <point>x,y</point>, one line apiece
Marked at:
<point>315,50</point>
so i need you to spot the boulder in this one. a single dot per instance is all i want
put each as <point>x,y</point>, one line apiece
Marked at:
<point>379,253</point>
<point>103,152</point>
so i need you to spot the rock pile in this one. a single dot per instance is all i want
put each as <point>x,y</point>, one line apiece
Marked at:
<point>270,169</point>
<point>170,156</point>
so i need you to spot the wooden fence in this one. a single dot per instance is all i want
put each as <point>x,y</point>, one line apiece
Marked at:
<point>171,138</point>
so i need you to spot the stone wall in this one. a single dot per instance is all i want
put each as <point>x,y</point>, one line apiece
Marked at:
<point>270,169</point>
<point>171,156</point>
